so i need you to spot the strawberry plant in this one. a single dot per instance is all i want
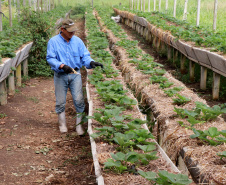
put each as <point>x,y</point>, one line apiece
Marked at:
<point>173,91</point>
<point>222,154</point>
<point>158,79</point>
<point>212,133</point>
<point>164,177</point>
<point>181,100</point>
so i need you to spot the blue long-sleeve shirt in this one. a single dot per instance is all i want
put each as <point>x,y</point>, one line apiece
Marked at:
<point>73,53</point>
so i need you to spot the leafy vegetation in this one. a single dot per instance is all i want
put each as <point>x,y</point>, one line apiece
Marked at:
<point>173,91</point>
<point>222,154</point>
<point>200,113</point>
<point>184,30</point>
<point>164,177</point>
<point>181,100</point>
<point>211,133</point>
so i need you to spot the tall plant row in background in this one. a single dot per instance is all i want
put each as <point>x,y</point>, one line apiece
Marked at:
<point>36,27</point>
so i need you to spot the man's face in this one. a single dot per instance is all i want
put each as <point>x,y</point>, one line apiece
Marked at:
<point>67,35</point>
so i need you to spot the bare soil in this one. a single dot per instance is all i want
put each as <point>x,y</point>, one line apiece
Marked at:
<point>32,150</point>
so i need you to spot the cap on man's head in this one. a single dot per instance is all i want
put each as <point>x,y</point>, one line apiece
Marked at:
<point>69,25</point>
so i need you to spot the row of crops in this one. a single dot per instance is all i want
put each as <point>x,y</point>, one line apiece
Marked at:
<point>130,144</point>
<point>183,30</point>
<point>28,29</point>
<point>195,124</point>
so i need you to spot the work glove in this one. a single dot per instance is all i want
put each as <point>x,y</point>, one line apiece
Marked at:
<point>67,69</point>
<point>95,64</point>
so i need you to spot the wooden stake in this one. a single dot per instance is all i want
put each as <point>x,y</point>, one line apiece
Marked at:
<point>1,16</point>
<point>10,13</point>
<point>203,78</point>
<point>166,5</point>
<point>149,6</point>
<point>11,82</point>
<point>160,5</point>
<point>18,75</point>
<point>198,13</point>
<point>185,10</point>
<point>3,93</point>
<point>215,16</point>
<point>169,53</point>
<point>174,8</point>
<point>216,85</point>
<point>25,67</point>
<point>182,64</point>
<point>192,71</point>
<point>175,56</point>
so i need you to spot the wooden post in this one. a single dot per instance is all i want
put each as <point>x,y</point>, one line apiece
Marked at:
<point>198,13</point>
<point>25,67</point>
<point>166,5</point>
<point>144,6</point>
<point>18,9</point>
<point>10,13</point>
<point>216,85</point>
<point>215,16</point>
<point>185,10</point>
<point>174,8</point>
<point>160,5</point>
<point>182,64</point>
<point>11,82</point>
<point>149,4</point>
<point>0,16</point>
<point>126,77</point>
<point>141,5</point>
<point>158,44</point>
<point>192,71</point>
<point>37,9</point>
<point>29,2</point>
<point>3,93</point>
<point>203,78</point>
<point>18,75</point>
<point>175,56</point>
<point>169,53</point>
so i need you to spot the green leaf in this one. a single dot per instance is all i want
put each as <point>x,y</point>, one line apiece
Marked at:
<point>147,148</point>
<point>147,175</point>
<point>132,157</point>
<point>212,132</point>
<point>177,179</point>
<point>193,121</point>
<point>222,154</point>
<point>118,156</point>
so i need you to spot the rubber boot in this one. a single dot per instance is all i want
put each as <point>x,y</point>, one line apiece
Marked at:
<point>79,128</point>
<point>62,122</point>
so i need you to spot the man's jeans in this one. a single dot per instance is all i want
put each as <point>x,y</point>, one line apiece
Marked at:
<point>62,82</point>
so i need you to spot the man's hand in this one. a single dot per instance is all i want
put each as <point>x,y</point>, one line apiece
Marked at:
<point>67,69</point>
<point>95,64</point>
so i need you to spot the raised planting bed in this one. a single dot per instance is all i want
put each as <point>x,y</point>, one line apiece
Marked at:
<point>124,150</point>
<point>181,116</point>
<point>193,43</point>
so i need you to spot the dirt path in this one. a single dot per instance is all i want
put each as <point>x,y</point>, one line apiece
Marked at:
<point>32,150</point>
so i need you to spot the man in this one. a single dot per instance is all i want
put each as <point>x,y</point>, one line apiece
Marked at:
<point>66,54</point>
